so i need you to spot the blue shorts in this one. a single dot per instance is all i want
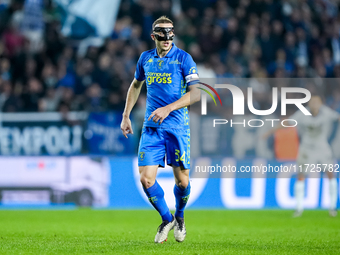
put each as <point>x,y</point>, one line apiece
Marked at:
<point>156,143</point>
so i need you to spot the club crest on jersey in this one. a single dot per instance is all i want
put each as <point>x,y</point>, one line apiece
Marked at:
<point>160,64</point>
<point>141,155</point>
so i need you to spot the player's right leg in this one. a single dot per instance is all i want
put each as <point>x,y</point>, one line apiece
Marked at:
<point>299,192</point>
<point>151,155</point>
<point>333,194</point>
<point>155,194</point>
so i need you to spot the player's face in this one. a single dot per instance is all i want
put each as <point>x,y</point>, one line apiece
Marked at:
<point>314,104</point>
<point>163,45</point>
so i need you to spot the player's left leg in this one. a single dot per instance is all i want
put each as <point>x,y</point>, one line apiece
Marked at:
<point>182,193</point>
<point>304,157</point>
<point>333,194</point>
<point>299,192</point>
<point>326,157</point>
<point>178,156</point>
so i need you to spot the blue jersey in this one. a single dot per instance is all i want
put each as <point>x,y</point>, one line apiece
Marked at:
<point>167,79</point>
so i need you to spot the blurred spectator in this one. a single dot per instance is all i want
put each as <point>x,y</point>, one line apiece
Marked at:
<point>94,99</point>
<point>281,62</point>
<point>232,32</point>
<point>290,46</point>
<point>101,73</point>
<point>83,79</point>
<point>302,47</point>
<point>50,102</point>
<point>13,40</point>
<point>267,47</point>
<point>32,95</point>
<point>7,14</point>
<point>115,101</point>
<point>49,76</point>
<point>334,44</point>
<point>8,101</point>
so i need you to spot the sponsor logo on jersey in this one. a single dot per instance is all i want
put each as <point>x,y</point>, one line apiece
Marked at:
<point>158,77</point>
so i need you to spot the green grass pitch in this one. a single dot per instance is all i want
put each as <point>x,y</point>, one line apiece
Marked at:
<point>86,231</point>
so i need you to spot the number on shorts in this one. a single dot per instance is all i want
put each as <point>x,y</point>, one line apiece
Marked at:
<point>178,158</point>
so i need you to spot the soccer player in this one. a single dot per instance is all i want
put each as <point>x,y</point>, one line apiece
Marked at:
<point>168,72</point>
<point>315,149</point>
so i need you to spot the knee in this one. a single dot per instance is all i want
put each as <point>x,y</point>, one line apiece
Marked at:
<point>183,183</point>
<point>146,181</point>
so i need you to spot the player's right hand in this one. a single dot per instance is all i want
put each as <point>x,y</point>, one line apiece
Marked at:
<point>126,127</point>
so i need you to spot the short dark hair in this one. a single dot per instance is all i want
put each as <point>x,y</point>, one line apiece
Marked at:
<point>162,20</point>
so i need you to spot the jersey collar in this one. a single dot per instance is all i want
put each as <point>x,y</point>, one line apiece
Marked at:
<point>170,53</point>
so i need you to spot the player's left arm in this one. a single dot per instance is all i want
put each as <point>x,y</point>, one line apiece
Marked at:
<point>332,114</point>
<point>191,97</point>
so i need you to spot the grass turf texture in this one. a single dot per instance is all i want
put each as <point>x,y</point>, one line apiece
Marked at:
<point>132,232</point>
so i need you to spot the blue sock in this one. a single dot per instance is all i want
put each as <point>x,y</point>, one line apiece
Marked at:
<point>156,197</point>
<point>182,197</point>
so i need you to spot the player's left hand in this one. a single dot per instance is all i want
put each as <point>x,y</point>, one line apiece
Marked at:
<point>160,114</point>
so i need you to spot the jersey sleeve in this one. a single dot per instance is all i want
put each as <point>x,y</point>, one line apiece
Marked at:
<point>190,71</point>
<point>298,116</point>
<point>139,73</point>
<point>332,115</point>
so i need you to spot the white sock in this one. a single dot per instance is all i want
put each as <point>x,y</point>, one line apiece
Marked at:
<point>299,194</point>
<point>333,193</point>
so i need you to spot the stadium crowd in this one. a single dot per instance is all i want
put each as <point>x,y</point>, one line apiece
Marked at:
<point>227,38</point>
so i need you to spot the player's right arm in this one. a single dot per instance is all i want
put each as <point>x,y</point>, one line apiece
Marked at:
<point>131,99</point>
<point>132,96</point>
